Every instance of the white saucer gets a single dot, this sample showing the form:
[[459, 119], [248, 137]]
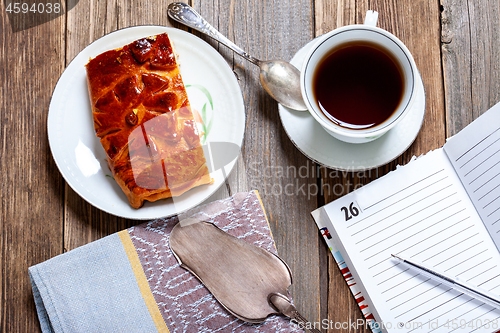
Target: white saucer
[[314, 142]]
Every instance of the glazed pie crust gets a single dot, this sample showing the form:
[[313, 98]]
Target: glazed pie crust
[[144, 121]]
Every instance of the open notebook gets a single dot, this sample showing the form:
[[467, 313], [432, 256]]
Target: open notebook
[[442, 210]]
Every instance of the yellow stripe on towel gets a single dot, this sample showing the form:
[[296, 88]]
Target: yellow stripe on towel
[[142, 282]]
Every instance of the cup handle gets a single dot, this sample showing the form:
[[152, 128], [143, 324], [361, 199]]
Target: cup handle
[[371, 18]]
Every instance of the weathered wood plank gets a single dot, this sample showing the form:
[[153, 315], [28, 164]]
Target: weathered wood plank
[[329, 15], [87, 21], [417, 25], [456, 49], [485, 53], [471, 60], [31, 220], [267, 31]]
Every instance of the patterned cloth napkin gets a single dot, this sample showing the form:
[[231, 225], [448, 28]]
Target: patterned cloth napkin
[[131, 282]]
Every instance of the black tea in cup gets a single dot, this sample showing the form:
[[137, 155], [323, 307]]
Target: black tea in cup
[[358, 85]]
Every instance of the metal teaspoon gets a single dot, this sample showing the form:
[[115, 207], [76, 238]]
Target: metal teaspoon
[[279, 78]]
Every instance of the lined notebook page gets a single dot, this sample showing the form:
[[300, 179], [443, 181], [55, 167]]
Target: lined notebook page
[[420, 212], [475, 155]]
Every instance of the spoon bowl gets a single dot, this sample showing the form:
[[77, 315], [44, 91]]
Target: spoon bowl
[[279, 78]]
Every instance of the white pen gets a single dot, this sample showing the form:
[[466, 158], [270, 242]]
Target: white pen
[[461, 286]]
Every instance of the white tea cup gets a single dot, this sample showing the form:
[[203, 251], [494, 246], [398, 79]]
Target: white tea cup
[[332, 41]]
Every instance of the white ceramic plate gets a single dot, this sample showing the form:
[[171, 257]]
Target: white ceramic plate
[[78, 152], [314, 142]]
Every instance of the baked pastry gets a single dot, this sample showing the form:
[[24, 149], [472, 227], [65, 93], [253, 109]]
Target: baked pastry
[[144, 121]]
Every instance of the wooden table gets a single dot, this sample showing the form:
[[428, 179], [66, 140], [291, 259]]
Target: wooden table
[[456, 45]]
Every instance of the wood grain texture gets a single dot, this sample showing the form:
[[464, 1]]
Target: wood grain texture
[[31, 219], [485, 54], [471, 60], [417, 25], [268, 31], [456, 47]]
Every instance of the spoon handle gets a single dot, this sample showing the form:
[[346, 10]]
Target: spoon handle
[[284, 306], [185, 14]]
